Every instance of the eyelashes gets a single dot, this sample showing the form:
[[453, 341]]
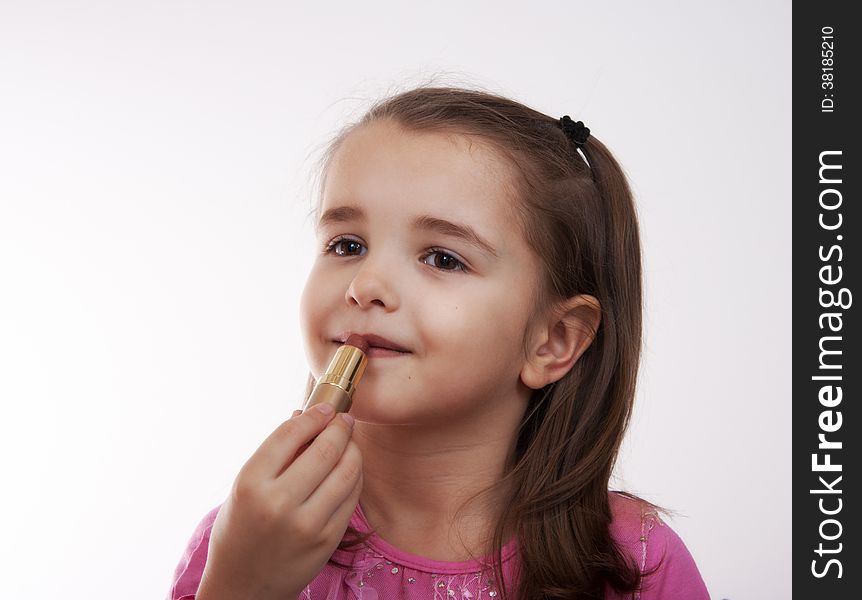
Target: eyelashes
[[330, 248]]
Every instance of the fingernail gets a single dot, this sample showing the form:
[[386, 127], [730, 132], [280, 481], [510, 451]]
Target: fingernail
[[348, 419], [296, 413], [324, 408]]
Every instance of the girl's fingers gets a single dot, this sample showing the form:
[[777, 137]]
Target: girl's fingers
[[339, 518], [278, 450], [341, 486], [317, 462]]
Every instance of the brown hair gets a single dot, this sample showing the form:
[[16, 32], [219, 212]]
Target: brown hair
[[579, 217]]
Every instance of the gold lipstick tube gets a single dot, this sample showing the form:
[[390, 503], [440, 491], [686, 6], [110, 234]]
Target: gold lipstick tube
[[337, 384]]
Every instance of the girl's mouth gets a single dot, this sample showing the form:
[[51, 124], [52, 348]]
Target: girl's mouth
[[375, 352], [378, 346], [378, 352]]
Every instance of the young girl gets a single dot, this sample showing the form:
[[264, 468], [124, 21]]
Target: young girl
[[491, 255]]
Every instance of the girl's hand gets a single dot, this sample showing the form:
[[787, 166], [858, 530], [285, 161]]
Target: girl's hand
[[287, 511]]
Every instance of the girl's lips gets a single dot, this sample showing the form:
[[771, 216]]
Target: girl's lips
[[377, 352], [373, 340], [374, 352]]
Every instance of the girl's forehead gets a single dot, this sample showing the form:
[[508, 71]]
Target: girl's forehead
[[383, 165]]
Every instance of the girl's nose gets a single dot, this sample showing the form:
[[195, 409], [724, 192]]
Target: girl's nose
[[372, 284]]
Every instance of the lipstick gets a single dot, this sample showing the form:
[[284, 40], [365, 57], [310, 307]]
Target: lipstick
[[337, 384]]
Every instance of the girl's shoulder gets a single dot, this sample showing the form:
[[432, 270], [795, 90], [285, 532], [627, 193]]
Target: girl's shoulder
[[653, 544], [188, 572]]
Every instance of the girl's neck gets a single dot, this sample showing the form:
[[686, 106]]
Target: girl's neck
[[414, 482]]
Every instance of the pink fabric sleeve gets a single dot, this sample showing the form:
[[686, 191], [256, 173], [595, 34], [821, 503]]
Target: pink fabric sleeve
[[678, 578], [187, 575]]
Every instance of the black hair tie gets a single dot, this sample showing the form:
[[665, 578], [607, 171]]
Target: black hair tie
[[574, 130]]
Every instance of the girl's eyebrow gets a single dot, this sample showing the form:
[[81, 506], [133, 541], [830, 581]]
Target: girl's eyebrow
[[344, 214]]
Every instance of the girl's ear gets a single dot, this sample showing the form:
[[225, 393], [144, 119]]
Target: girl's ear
[[558, 340]]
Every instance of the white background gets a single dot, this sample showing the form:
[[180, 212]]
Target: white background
[[156, 161]]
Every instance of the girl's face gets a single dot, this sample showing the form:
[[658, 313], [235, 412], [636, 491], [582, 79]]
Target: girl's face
[[417, 244]]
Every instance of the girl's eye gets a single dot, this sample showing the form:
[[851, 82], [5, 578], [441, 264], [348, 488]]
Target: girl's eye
[[331, 247], [446, 259]]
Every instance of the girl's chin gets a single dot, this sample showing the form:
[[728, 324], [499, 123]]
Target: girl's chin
[[389, 410], [372, 407]]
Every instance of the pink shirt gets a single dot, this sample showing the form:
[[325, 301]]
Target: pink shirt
[[382, 572]]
